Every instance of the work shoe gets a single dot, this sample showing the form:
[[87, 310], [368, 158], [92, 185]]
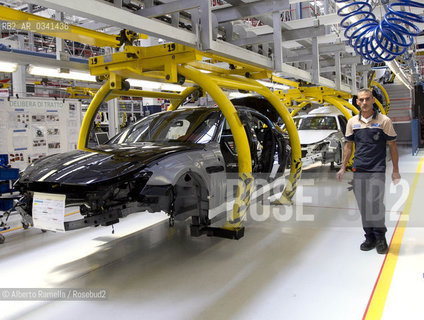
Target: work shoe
[[367, 245], [381, 246]]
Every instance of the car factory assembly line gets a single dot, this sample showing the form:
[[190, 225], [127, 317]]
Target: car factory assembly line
[[206, 73], [193, 159], [172, 63]]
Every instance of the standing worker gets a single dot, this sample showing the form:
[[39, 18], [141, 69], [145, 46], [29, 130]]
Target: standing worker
[[370, 130]]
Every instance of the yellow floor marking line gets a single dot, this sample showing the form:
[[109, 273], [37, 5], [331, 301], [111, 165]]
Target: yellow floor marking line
[[375, 307], [12, 229]]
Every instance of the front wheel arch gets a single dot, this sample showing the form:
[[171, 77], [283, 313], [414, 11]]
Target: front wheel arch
[[190, 197]]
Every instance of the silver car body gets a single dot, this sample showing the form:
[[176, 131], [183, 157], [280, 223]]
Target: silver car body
[[321, 135]]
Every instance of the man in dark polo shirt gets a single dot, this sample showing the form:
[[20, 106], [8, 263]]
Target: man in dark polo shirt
[[370, 131]]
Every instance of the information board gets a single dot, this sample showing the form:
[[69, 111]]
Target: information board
[[34, 128]]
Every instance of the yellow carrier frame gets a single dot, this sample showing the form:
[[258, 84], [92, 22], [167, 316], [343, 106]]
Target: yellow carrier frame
[[176, 63]]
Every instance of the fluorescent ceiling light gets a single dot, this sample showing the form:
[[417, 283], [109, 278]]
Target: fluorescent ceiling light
[[8, 66], [172, 87], [144, 84], [275, 86], [53, 72], [83, 76], [153, 85], [235, 94]]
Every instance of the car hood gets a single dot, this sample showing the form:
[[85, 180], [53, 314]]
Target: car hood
[[103, 163], [314, 136]]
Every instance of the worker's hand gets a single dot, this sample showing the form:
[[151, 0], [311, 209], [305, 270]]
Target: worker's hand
[[340, 174], [396, 177]]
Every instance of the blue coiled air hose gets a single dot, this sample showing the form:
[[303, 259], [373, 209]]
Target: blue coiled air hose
[[384, 40]]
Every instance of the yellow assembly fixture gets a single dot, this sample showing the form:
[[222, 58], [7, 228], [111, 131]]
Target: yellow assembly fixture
[[175, 63], [307, 95]]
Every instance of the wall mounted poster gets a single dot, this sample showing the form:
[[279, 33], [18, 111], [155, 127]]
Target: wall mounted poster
[[34, 128]]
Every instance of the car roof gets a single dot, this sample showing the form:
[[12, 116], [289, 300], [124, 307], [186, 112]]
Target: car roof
[[322, 111], [214, 108], [252, 103]]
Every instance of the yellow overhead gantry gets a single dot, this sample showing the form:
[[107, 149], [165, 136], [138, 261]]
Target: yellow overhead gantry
[[306, 95], [299, 106], [176, 63]]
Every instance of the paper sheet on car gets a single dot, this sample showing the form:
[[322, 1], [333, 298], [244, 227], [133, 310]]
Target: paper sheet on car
[[48, 211]]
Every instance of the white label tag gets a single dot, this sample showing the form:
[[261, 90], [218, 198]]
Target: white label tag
[[48, 211]]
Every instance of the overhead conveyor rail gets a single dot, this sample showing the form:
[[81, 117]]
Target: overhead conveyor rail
[[200, 25], [307, 95]]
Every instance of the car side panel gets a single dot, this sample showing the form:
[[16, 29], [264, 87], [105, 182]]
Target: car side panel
[[168, 171]]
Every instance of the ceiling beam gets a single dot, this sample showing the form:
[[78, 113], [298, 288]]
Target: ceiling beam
[[247, 10], [108, 14], [25, 59], [323, 49], [288, 35], [168, 8], [105, 13]]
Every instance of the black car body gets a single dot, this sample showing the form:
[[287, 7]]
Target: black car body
[[174, 161]]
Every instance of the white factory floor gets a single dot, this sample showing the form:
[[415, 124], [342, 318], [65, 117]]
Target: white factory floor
[[303, 264]]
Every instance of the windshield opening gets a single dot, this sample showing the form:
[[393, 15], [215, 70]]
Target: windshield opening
[[191, 126], [317, 123]]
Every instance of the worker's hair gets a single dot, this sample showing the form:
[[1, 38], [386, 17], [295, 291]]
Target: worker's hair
[[365, 90], [362, 90]]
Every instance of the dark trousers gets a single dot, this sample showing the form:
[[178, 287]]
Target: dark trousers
[[368, 188]]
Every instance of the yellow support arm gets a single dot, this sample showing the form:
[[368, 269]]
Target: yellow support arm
[[230, 114], [245, 184], [380, 106], [346, 104], [299, 107], [177, 101], [386, 97], [33, 23], [339, 105], [285, 81], [100, 96], [296, 153]]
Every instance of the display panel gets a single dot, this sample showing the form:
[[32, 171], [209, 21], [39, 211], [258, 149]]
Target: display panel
[[34, 128]]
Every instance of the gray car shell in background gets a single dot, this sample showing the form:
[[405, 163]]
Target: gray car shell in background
[[321, 135]]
